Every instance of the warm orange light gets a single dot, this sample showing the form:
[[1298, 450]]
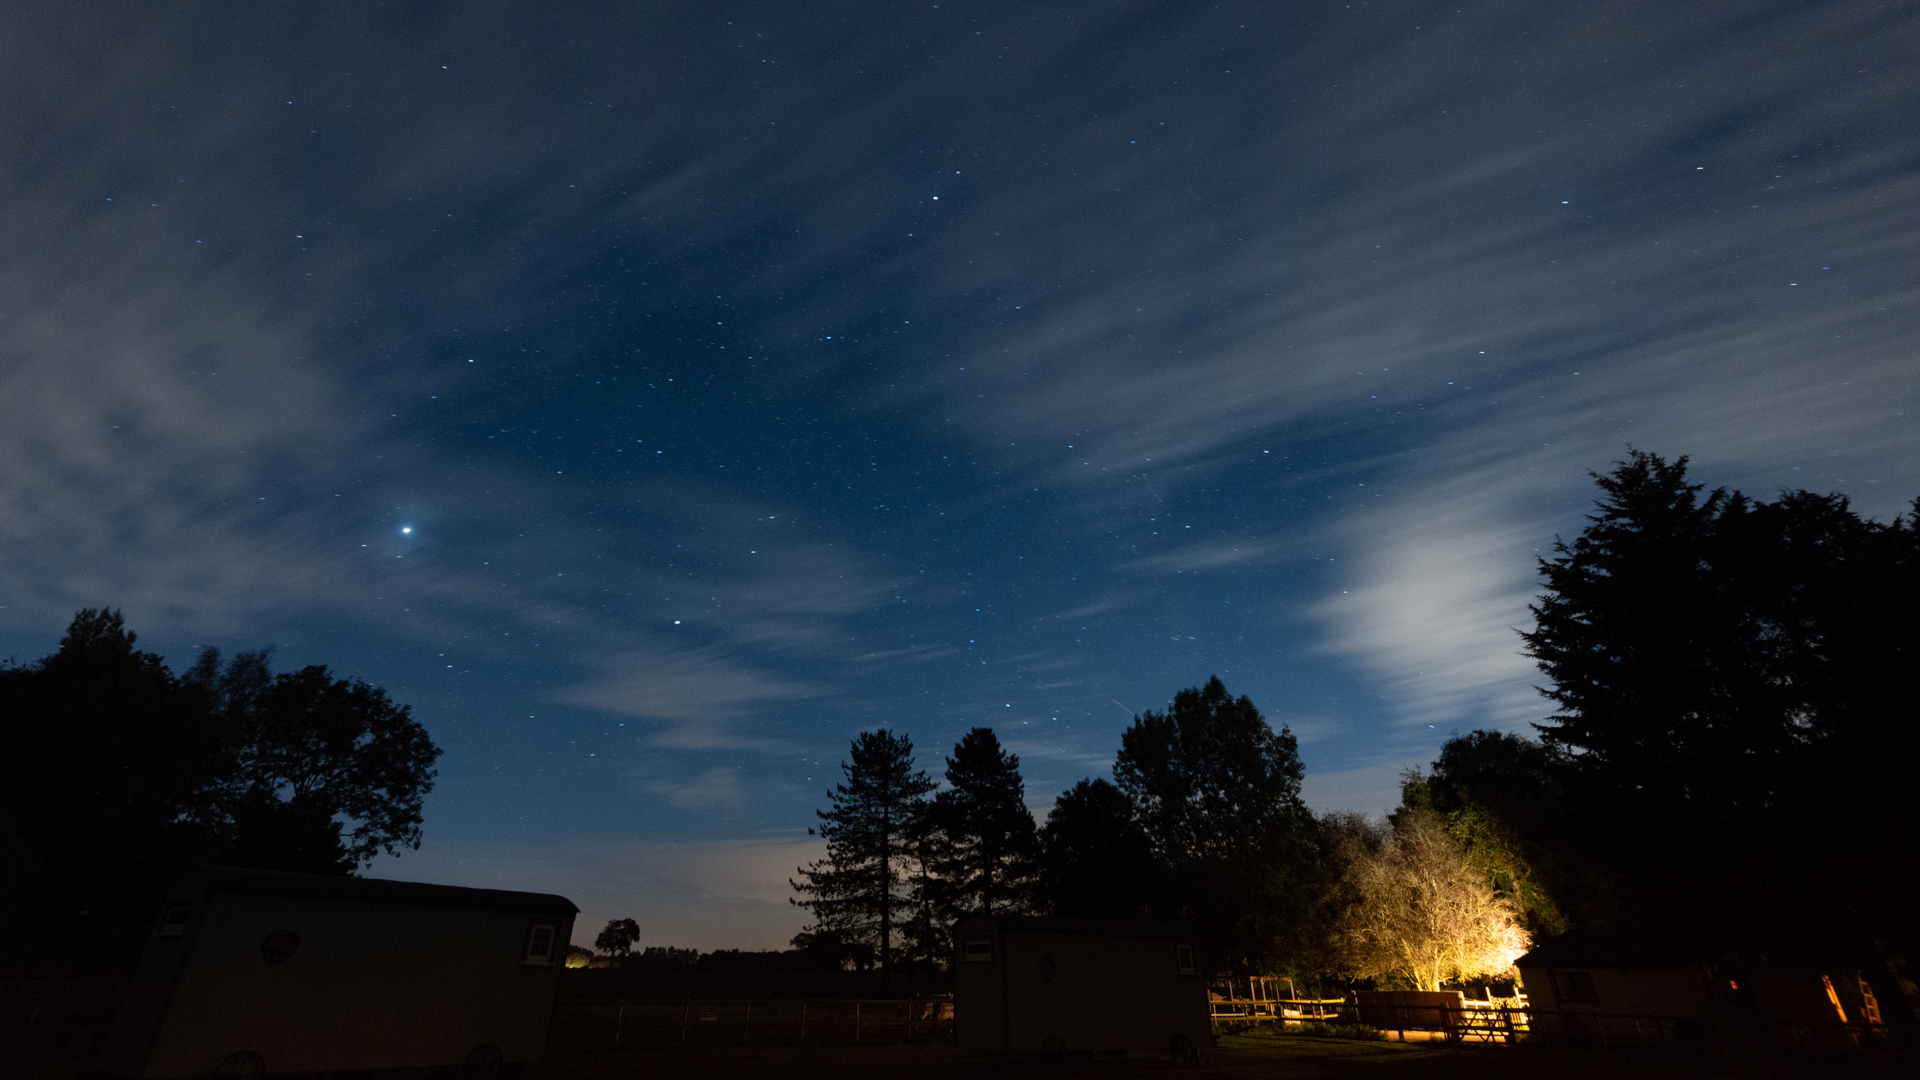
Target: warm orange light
[[1835, 998]]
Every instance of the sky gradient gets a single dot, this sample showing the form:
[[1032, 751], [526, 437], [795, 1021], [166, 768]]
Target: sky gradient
[[655, 399]]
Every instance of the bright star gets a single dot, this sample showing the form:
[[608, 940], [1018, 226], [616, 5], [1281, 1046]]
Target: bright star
[[406, 528]]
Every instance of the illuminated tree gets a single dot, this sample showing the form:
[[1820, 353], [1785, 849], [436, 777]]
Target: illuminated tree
[[1410, 904], [1492, 842]]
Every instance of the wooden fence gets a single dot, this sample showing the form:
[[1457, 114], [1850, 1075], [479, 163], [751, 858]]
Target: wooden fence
[[1472, 1022]]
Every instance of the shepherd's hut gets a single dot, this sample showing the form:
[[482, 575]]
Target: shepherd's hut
[[250, 972], [1062, 986]]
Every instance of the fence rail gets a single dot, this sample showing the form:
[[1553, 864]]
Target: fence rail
[[1475, 1022], [615, 1023], [1816, 1046], [1261, 1010]]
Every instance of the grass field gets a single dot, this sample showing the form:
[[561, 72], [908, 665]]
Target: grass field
[[735, 1038], [1239, 1056]]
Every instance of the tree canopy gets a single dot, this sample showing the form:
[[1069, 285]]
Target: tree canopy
[[1728, 674], [1098, 862], [115, 773], [619, 937], [1217, 793]]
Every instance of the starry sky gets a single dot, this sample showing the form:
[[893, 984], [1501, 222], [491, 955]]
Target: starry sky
[[653, 396]]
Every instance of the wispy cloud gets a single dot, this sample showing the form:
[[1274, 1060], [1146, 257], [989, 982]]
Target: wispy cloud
[[1192, 558], [702, 698], [717, 788], [1429, 612]]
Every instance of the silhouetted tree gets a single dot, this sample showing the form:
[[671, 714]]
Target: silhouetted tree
[[114, 774], [855, 891], [1728, 675], [110, 769], [930, 903], [829, 950], [1096, 861], [988, 854], [619, 938], [332, 774], [1217, 792]]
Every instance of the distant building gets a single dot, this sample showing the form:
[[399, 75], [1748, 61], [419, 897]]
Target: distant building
[[252, 971], [1621, 986], [1072, 985]]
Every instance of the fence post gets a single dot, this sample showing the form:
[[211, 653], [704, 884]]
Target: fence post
[[745, 1023], [803, 1021], [618, 1020], [856, 1021], [685, 1015]]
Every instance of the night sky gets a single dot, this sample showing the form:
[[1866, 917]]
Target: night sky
[[654, 396]]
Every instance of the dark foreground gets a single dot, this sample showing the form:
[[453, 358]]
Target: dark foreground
[[1237, 1056]]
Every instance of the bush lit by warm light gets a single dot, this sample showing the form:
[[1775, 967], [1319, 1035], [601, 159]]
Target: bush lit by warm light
[[1416, 908]]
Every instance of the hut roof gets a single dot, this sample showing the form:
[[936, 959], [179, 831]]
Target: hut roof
[[1594, 948], [233, 879]]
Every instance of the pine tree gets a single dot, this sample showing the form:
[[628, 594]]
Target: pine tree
[[856, 890], [990, 847]]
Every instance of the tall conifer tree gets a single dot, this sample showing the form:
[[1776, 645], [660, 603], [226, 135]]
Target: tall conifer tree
[[990, 846], [855, 890]]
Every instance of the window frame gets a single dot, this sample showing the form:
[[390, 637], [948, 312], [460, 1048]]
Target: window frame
[[528, 958], [166, 927], [1578, 989], [970, 955]]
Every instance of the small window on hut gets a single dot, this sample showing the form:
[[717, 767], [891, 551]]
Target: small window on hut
[[1183, 955], [173, 921], [540, 944], [977, 948], [1574, 986]]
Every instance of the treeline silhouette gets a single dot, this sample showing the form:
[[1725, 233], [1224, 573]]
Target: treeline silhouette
[[1734, 742], [115, 773], [1203, 823], [1728, 765]]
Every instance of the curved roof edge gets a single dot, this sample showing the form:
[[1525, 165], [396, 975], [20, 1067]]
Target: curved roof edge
[[234, 879]]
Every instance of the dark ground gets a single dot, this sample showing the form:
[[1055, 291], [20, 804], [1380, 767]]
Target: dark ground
[[719, 1043], [1236, 1056]]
